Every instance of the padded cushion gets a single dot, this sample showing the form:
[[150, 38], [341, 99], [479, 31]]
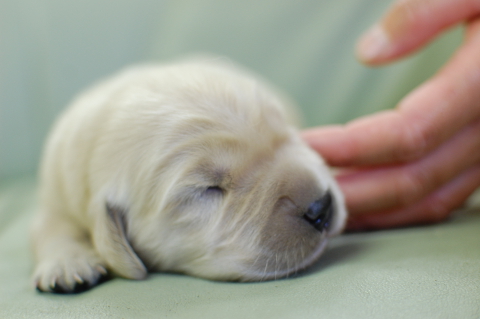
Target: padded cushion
[[422, 272]]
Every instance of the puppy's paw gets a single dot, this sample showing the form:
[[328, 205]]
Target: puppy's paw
[[69, 274]]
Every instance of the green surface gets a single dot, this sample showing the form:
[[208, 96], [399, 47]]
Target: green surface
[[424, 272]]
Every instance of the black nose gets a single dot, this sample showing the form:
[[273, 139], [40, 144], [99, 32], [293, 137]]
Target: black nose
[[320, 212]]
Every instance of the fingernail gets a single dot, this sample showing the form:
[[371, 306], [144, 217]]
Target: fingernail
[[372, 44]]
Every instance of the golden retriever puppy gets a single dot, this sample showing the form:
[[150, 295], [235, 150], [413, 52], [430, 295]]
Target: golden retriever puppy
[[190, 167]]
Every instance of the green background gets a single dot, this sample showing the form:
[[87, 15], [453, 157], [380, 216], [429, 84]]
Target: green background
[[51, 50]]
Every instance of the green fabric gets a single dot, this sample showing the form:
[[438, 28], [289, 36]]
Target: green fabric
[[423, 272], [52, 49]]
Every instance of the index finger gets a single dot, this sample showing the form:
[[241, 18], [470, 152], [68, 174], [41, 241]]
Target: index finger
[[423, 120]]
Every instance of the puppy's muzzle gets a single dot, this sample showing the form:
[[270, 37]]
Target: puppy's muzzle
[[320, 212]]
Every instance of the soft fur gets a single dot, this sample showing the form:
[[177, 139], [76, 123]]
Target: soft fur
[[190, 167]]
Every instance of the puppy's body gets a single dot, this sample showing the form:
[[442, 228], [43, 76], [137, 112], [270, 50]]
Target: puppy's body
[[190, 167]]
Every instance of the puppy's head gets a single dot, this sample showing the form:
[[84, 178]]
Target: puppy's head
[[216, 182]]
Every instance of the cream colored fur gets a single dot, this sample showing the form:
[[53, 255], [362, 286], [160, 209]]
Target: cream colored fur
[[190, 167]]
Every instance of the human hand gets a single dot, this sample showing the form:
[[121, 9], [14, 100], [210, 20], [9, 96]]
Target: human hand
[[418, 162]]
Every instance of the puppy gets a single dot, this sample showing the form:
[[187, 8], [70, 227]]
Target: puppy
[[191, 167]]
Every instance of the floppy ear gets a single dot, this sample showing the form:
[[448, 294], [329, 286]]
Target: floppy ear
[[112, 243]]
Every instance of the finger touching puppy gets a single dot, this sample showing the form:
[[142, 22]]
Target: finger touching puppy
[[190, 167]]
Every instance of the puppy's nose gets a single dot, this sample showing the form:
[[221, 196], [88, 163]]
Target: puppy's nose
[[320, 212]]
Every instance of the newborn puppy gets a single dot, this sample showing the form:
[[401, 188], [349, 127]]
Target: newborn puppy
[[190, 167]]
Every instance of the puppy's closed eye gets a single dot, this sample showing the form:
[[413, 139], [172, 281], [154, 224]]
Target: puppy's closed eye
[[214, 190]]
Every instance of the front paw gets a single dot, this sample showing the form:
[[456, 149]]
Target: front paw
[[69, 275]]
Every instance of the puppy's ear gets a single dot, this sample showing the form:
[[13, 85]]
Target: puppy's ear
[[112, 243]]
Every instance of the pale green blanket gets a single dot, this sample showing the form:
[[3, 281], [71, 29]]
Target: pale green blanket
[[423, 272]]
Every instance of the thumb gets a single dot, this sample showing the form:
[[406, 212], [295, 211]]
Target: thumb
[[409, 24]]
